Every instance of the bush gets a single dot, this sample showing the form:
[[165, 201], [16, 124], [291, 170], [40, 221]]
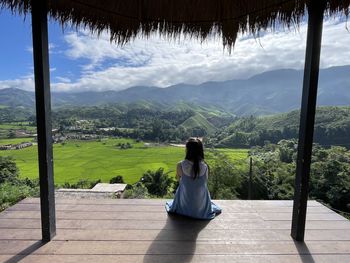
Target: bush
[[123, 146], [117, 180], [136, 192], [81, 184], [157, 182], [223, 180], [12, 189], [11, 193], [128, 187], [8, 170]]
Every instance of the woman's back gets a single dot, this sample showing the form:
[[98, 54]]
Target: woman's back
[[192, 196], [186, 167]]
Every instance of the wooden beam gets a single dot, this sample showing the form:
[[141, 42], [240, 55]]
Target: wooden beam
[[250, 178], [316, 9], [43, 118]]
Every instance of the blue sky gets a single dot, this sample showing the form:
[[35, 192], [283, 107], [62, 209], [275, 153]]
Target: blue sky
[[16, 59], [13, 42], [80, 61]]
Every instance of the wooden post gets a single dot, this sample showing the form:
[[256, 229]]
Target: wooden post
[[250, 178], [307, 116], [43, 118]]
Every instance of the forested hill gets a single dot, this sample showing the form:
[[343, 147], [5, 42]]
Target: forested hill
[[267, 93], [144, 120], [332, 127]]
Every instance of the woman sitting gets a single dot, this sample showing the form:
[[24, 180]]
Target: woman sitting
[[192, 197]]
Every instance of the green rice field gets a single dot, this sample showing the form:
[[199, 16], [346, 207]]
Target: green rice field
[[103, 160], [17, 125]]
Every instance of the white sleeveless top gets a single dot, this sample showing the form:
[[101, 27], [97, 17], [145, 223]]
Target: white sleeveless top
[[187, 168]]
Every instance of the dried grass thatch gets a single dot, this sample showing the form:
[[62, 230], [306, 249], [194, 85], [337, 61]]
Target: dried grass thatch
[[125, 19]]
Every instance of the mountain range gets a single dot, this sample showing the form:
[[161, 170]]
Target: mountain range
[[266, 93]]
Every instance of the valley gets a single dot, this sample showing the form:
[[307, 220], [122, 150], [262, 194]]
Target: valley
[[104, 159]]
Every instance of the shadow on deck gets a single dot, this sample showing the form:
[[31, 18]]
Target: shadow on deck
[[107, 230]]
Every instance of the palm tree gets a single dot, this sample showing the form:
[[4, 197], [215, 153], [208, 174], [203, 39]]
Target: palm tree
[[157, 182]]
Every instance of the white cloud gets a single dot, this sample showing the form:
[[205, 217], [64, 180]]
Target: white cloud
[[52, 48], [25, 83], [162, 63], [159, 62], [63, 79]]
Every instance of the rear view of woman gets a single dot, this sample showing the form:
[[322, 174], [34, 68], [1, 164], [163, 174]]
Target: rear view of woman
[[192, 197]]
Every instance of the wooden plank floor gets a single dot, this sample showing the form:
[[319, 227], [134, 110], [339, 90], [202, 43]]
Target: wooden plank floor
[[107, 230]]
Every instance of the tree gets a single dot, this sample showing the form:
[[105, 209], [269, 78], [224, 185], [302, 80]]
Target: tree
[[157, 182], [330, 176], [11, 134], [287, 150], [223, 179], [273, 171], [8, 170]]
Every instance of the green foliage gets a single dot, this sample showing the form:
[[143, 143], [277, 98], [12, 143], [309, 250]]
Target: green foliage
[[137, 121], [11, 193], [117, 180], [157, 182], [332, 127], [144, 121], [137, 191], [237, 139], [8, 170], [223, 180], [287, 150], [198, 125], [227, 168], [274, 173], [11, 134], [12, 189], [82, 184], [14, 114], [330, 177]]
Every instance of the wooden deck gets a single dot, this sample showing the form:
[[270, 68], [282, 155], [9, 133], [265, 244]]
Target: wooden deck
[[108, 230]]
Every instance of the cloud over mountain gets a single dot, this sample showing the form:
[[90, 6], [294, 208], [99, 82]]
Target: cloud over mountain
[[101, 65], [266, 93]]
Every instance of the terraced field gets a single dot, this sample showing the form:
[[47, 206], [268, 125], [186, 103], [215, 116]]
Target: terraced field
[[5, 128]]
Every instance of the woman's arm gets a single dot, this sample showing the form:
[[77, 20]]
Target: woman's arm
[[207, 171], [178, 171]]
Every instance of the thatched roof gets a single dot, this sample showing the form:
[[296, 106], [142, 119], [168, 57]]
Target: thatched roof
[[126, 19]]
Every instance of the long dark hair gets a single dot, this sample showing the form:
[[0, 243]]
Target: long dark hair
[[194, 153]]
